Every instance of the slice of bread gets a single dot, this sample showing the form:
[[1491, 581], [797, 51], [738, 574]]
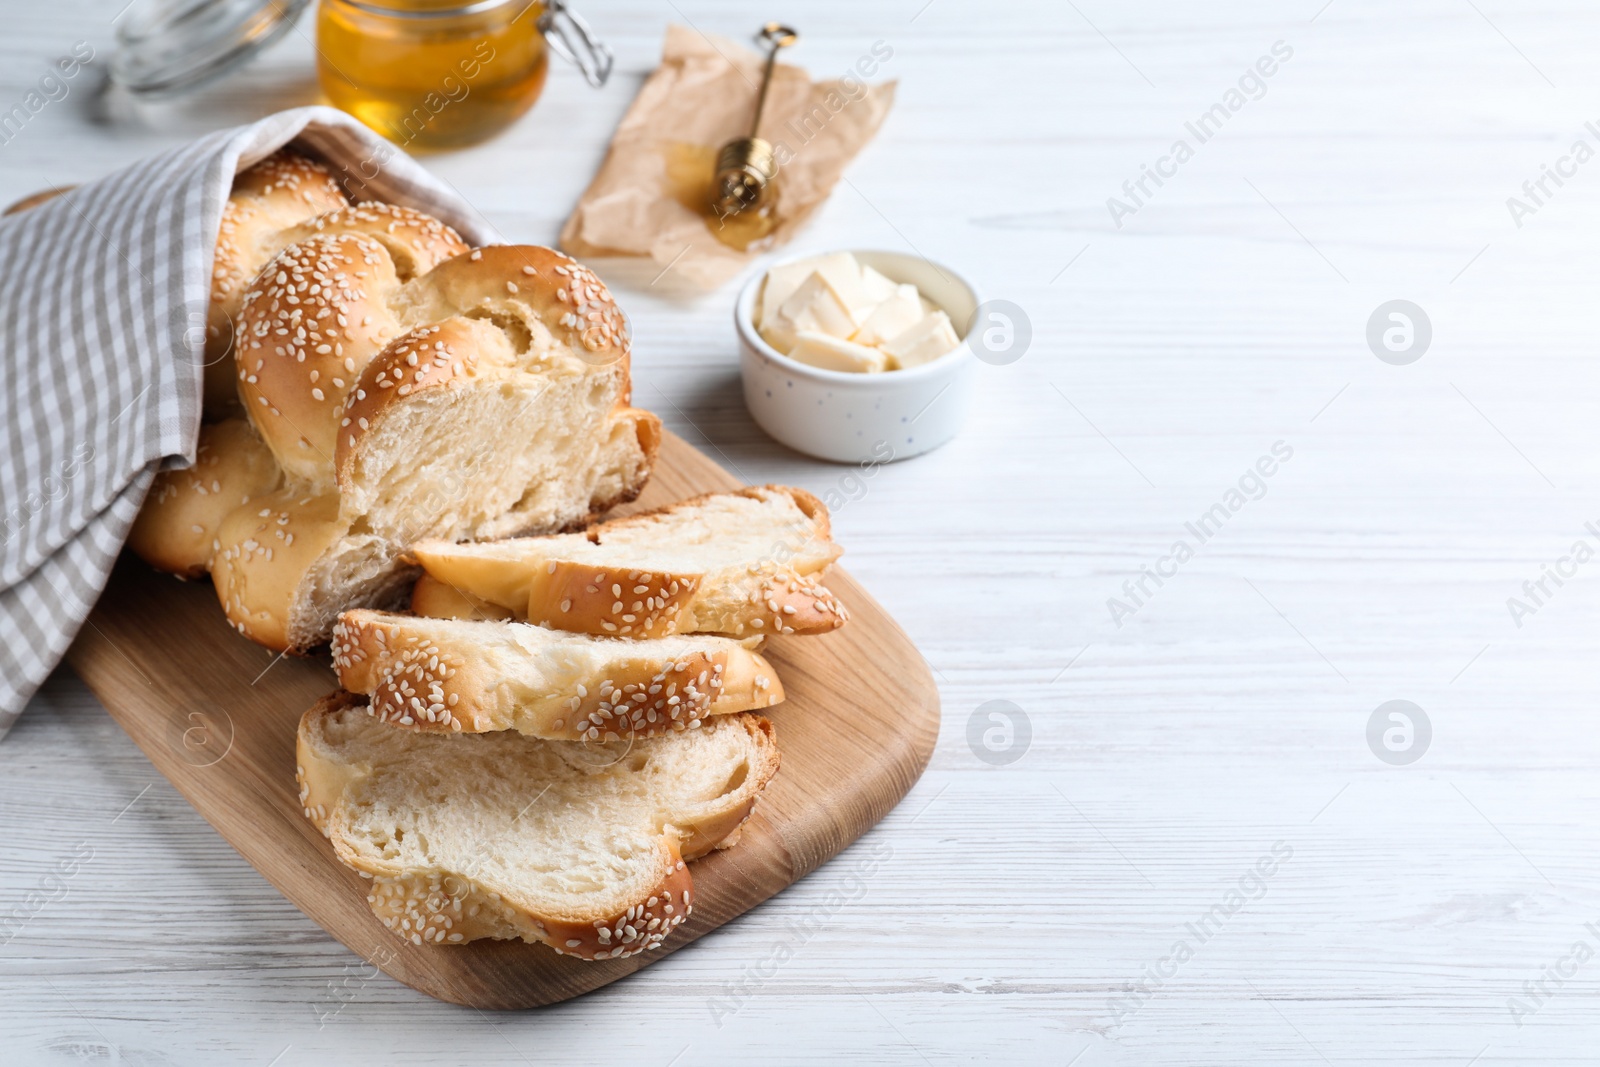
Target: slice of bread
[[459, 676], [729, 563], [582, 847]]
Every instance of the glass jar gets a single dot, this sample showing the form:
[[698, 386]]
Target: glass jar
[[439, 74], [425, 73], [167, 48]]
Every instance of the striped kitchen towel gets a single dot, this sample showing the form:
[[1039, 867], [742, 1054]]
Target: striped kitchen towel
[[103, 296]]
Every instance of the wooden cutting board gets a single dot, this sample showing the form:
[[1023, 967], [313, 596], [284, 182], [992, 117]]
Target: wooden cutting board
[[217, 716]]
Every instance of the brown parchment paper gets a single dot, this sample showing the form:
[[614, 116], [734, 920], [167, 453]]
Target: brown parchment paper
[[662, 154]]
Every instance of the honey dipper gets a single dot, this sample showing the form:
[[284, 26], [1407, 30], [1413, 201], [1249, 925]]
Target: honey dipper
[[746, 166]]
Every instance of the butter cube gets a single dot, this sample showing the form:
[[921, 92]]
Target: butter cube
[[851, 290], [830, 353], [816, 307], [929, 339], [839, 268], [877, 287], [900, 311]]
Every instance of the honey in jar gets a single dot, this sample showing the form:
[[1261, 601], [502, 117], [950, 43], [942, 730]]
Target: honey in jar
[[432, 74]]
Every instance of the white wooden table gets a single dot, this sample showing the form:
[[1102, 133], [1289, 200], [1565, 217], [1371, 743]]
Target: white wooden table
[[1031, 912]]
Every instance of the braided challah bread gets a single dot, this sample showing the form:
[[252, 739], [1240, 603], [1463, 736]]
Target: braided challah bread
[[395, 385]]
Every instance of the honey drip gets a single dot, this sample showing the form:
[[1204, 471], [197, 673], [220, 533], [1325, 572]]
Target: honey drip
[[690, 169]]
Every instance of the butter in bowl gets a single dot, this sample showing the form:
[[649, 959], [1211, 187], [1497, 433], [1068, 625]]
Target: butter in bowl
[[857, 356], [833, 312]]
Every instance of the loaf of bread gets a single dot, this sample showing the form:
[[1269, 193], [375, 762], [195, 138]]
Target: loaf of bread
[[454, 676], [581, 847], [402, 386], [743, 562]]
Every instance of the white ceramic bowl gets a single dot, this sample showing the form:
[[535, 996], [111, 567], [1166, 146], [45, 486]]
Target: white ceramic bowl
[[862, 418]]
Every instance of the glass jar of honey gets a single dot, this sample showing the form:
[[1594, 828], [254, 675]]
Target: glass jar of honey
[[432, 74], [424, 73]]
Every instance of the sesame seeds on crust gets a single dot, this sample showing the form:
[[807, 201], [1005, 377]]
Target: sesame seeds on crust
[[409, 687], [767, 599], [289, 172], [641, 928], [177, 526], [569, 298], [283, 189], [261, 553], [426, 240], [611, 602], [594, 317], [314, 318], [436, 908], [783, 602]]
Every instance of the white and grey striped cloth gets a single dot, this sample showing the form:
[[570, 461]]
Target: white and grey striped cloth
[[103, 295]]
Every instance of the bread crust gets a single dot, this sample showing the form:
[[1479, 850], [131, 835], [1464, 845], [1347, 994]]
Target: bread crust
[[530, 283], [267, 200], [450, 907], [177, 528], [435, 908], [264, 550], [591, 600], [315, 318], [416, 242], [420, 681]]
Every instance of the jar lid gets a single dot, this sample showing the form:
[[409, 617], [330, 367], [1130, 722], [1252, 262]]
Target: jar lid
[[167, 47]]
